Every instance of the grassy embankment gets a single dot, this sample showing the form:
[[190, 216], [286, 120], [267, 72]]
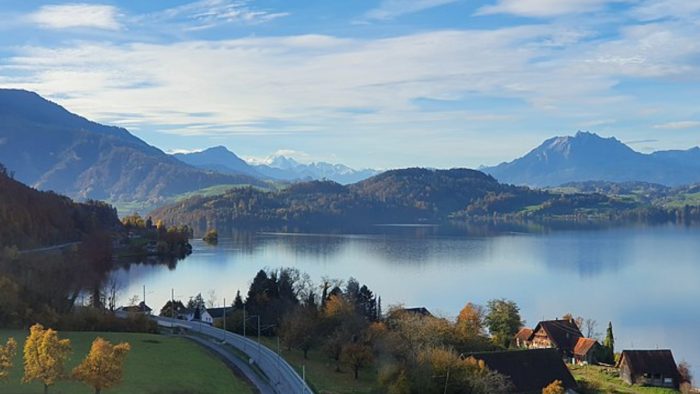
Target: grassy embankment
[[596, 379], [321, 374], [156, 365]]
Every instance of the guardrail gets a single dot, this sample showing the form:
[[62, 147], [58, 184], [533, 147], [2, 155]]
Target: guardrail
[[282, 377]]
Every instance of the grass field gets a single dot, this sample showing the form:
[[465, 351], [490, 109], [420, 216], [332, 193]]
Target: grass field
[[156, 365], [321, 375], [595, 379]]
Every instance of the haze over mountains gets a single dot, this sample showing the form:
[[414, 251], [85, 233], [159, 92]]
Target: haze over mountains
[[277, 167], [589, 157]]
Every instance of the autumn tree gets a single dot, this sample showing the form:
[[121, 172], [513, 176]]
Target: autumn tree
[[44, 356], [503, 320], [103, 367], [470, 321], [556, 387], [7, 354], [356, 355], [299, 329]]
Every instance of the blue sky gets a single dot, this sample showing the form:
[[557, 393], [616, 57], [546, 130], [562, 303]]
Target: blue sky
[[382, 83]]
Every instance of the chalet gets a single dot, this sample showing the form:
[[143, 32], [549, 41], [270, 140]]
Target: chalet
[[586, 351], [530, 370], [140, 308], [522, 338], [649, 368], [562, 335]]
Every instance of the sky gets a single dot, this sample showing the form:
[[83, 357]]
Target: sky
[[368, 83]]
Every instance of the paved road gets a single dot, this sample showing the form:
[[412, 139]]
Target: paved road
[[282, 377], [236, 363], [50, 248]]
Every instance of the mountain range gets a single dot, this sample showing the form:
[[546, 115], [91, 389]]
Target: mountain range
[[279, 167], [49, 148], [589, 157]]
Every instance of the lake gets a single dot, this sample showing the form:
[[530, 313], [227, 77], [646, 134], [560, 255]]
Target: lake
[[646, 280]]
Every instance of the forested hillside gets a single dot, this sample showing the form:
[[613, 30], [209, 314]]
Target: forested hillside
[[31, 218], [407, 196]]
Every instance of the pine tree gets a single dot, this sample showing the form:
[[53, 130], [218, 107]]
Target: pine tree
[[238, 301], [609, 345], [103, 367], [44, 356]]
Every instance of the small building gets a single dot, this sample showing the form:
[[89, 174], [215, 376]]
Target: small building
[[649, 368], [586, 351], [530, 370], [421, 311], [522, 338], [140, 308], [196, 314], [217, 314], [562, 335]]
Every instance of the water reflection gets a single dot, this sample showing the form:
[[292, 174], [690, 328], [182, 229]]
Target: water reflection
[[643, 279]]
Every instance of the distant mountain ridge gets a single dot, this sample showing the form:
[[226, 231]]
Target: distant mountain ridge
[[50, 148], [588, 157], [280, 168]]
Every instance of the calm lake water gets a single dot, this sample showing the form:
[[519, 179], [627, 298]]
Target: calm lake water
[[646, 280]]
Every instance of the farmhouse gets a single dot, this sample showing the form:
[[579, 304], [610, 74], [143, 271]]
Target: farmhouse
[[196, 314], [586, 351], [522, 338], [140, 308], [562, 335], [649, 367], [530, 370]]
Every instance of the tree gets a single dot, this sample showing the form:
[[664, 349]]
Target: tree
[[7, 354], [684, 372], [555, 387], [103, 367], [299, 329], [470, 321], [356, 355], [591, 327], [44, 356], [503, 320], [609, 345], [238, 301]]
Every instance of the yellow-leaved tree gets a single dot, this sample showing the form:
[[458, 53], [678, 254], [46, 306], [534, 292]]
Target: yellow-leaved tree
[[44, 356], [102, 367], [556, 387], [7, 354]]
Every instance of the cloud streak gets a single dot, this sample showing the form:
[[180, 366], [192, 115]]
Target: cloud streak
[[679, 125], [77, 15], [390, 9]]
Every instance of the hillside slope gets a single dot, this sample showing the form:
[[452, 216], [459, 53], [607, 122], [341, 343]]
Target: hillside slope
[[31, 218], [50, 148]]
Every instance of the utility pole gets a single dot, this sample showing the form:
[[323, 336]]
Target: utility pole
[[224, 319], [144, 296]]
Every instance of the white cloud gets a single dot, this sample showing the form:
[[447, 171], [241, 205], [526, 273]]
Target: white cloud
[[390, 9], [659, 9], [679, 125], [542, 8], [77, 15]]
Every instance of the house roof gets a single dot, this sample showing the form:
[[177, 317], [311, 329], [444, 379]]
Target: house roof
[[419, 311], [564, 334], [217, 313], [584, 345], [524, 334], [529, 370], [650, 361]]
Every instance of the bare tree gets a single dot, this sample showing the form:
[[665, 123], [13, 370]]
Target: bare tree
[[111, 291], [134, 300], [591, 327], [211, 298]]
